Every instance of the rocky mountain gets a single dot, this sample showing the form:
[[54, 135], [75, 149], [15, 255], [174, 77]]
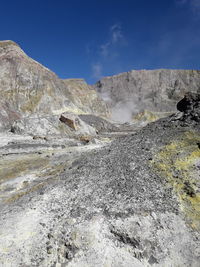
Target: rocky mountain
[[28, 89], [77, 189], [154, 91]]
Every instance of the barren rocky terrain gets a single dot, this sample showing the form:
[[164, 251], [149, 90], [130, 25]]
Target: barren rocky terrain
[[79, 190], [154, 91]]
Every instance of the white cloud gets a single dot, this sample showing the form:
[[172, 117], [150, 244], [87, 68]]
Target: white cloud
[[108, 52], [116, 33], [115, 40], [181, 2], [97, 71], [88, 49], [194, 6], [105, 49]]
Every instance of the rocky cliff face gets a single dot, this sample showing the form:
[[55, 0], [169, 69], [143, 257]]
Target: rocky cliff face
[[27, 87], [151, 90], [86, 98]]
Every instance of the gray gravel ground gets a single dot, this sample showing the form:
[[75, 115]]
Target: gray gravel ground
[[106, 206]]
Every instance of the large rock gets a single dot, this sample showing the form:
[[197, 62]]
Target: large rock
[[67, 124], [152, 90], [38, 125], [190, 106], [75, 123]]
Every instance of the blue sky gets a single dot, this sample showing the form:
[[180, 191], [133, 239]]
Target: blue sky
[[94, 38]]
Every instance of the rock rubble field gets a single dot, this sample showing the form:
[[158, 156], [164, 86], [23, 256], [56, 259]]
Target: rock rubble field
[[81, 188]]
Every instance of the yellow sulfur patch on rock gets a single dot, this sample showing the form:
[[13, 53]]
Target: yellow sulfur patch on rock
[[177, 163], [10, 168], [146, 115], [73, 110], [32, 103]]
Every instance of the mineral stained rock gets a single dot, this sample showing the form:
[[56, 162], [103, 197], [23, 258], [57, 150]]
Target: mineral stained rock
[[86, 98], [77, 190], [133, 202], [28, 88], [151, 90], [78, 125]]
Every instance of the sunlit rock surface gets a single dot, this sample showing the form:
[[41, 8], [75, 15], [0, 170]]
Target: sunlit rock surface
[[27, 87], [77, 190], [86, 98], [130, 202], [133, 92]]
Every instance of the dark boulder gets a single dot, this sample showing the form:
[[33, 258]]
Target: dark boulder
[[190, 106]]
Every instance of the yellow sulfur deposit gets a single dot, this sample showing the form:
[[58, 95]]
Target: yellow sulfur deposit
[[177, 163]]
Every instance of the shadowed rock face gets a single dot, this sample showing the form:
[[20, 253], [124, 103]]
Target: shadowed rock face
[[27, 87], [151, 90], [190, 106]]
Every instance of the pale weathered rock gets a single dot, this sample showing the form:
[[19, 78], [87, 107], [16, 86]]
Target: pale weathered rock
[[134, 202], [102, 125], [75, 123], [86, 98], [85, 138], [105, 201], [152, 90], [36, 125], [70, 120], [27, 87]]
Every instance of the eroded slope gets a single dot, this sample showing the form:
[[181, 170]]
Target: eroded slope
[[134, 202]]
